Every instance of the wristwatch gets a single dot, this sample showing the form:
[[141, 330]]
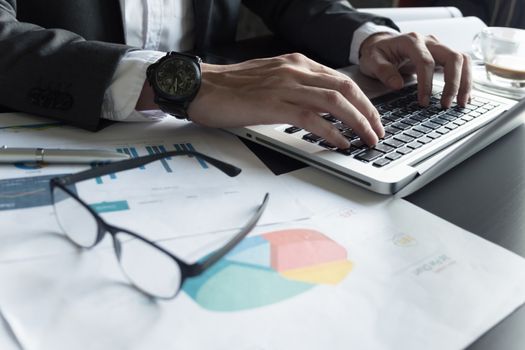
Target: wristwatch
[[175, 79]]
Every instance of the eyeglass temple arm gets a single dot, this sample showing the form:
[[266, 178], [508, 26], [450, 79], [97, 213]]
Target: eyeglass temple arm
[[110, 168], [198, 268]]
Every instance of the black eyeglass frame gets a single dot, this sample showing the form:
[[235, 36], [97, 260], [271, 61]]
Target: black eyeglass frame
[[187, 270]]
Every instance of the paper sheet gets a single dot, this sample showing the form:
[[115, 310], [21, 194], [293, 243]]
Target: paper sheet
[[176, 197], [442, 22], [8, 341], [391, 271], [350, 278], [364, 271], [415, 13], [447, 29]]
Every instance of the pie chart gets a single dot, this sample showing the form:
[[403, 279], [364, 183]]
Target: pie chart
[[270, 268]]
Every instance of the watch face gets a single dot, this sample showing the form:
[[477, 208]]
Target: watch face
[[177, 78]]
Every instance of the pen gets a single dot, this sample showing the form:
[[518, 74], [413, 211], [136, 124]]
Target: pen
[[59, 155]]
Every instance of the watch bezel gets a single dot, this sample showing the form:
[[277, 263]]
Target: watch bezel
[[186, 98]]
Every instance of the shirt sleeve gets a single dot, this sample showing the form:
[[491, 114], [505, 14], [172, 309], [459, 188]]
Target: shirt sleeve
[[362, 33], [126, 85]]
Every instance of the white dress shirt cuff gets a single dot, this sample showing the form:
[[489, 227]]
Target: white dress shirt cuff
[[362, 33], [126, 85]]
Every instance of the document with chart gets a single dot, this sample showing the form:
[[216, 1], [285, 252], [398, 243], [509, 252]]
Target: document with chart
[[175, 196], [362, 273]]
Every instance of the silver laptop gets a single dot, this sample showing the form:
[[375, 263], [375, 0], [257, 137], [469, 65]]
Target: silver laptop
[[420, 143]]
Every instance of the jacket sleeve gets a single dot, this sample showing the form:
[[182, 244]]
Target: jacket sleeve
[[53, 72], [324, 27]]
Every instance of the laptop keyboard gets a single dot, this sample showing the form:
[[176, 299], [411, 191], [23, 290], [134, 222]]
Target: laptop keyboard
[[408, 126]]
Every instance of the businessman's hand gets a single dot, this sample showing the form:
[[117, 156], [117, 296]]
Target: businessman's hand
[[387, 56], [290, 89]]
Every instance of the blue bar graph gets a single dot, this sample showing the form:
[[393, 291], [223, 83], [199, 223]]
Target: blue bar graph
[[201, 161], [164, 161], [135, 154], [154, 149], [189, 147], [163, 149]]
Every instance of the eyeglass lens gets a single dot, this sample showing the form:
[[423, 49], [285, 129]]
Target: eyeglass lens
[[75, 220], [147, 267]]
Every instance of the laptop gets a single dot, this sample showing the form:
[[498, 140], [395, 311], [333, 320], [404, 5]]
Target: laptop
[[419, 145]]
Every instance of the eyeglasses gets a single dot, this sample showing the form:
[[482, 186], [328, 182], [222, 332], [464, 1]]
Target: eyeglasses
[[157, 272]]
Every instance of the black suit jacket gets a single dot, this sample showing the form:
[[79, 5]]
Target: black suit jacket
[[58, 56]]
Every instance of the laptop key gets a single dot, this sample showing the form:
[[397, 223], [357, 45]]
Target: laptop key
[[413, 133], [460, 109], [381, 162], [427, 114], [423, 129], [401, 125], [419, 117], [451, 126], [454, 113], [404, 138], [399, 115], [381, 147], [393, 143], [348, 151], [404, 150], [459, 122], [431, 125], [292, 130], [424, 140], [393, 156], [358, 143], [387, 135], [448, 117], [369, 155], [312, 138], [477, 102], [434, 135], [327, 144], [439, 121], [443, 130], [386, 121], [415, 145], [479, 99], [410, 121], [434, 110], [392, 130]]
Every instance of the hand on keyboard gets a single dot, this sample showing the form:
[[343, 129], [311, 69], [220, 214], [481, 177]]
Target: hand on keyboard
[[289, 89], [386, 56], [408, 126]]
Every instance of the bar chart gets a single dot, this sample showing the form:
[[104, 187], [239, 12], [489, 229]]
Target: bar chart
[[167, 163]]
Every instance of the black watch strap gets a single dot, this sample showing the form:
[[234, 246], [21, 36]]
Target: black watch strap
[[176, 110]]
